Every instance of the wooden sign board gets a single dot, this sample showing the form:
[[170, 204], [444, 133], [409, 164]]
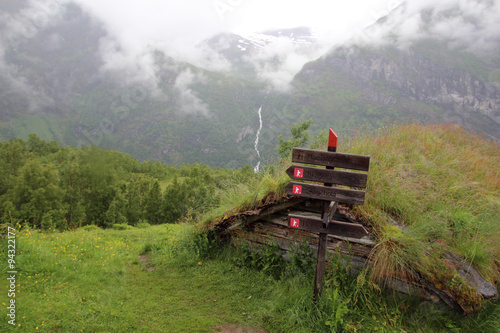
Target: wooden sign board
[[311, 224], [353, 179], [331, 159], [331, 195], [355, 197]]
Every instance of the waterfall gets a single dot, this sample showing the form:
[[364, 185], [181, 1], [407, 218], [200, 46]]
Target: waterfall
[[256, 145]]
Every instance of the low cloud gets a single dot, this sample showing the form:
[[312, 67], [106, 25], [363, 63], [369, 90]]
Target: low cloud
[[279, 61], [18, 27], [469, 23], [204, 57], [131, 68], [135, 32], [16, 88], [187, 100]]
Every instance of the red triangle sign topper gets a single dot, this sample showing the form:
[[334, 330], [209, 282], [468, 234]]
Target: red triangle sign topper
[[332, 139]]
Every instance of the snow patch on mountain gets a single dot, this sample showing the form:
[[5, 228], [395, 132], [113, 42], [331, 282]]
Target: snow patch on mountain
[[271, 56]]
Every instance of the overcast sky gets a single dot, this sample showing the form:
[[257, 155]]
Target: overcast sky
[[177, 27], [186, 22]]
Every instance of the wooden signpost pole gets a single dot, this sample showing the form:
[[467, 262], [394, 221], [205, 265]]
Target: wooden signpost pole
[[327, 212]]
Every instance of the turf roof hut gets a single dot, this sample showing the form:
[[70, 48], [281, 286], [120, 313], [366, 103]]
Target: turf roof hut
[[432, 193], [267, 224]]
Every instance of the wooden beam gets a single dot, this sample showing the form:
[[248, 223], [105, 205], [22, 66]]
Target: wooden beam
[[329, 211], [268, 233], [284, 221], [245, 218]]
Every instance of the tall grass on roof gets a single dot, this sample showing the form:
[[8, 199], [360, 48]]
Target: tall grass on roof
[[441, 185], [267, 186]]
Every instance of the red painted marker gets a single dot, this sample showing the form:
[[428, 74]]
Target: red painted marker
[[332, 140], [297, 189], [294, 223], [299, 173]]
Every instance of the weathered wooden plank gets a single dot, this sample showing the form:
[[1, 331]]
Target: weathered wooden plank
[[355, 197], [334, 227], [283, 221], [336, 177], [332, 159], [287, 239]]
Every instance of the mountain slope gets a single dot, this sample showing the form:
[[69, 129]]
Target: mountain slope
[[366, 85]]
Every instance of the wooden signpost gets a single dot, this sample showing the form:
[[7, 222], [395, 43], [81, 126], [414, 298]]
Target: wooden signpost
[[328, 193]]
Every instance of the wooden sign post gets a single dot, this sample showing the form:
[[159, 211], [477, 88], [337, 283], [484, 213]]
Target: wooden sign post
[[330, 195]]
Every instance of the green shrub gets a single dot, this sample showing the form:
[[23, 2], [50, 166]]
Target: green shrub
[[121, 226], [143, 225], [90, 227], [267, 259], [149, 248]]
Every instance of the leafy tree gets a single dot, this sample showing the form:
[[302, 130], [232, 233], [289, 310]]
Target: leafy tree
[[97, 202], [41, 147], [99, 179], [300, 136], [14, 155], [174, 202], [153, 204], [4, 178], [54, 187], [117, 208], [37, 193], [71, 181], [9, 212], [136, 190]]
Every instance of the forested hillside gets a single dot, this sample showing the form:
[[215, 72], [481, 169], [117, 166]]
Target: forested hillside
[[48, 186]]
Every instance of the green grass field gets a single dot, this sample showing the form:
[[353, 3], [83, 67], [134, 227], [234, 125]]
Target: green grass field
[[95, 281], [167, 279]]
